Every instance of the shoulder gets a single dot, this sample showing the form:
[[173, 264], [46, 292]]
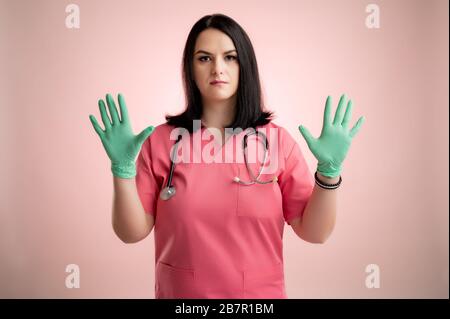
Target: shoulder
[[161, 132], [284, 137], [159, 140], [162, 129], [282, 131]]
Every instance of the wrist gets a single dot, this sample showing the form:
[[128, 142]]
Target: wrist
[[124, 169], [327, 179], [326, 182]]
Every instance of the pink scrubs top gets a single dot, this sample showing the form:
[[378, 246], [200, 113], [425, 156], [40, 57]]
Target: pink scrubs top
[[216, 238]]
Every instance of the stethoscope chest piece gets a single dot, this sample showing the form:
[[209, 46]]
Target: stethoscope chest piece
[[167, 192]]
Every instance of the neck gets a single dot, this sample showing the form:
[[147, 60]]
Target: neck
[[218, 114]]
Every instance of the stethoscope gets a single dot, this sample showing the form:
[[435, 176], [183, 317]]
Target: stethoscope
[[169, 191]]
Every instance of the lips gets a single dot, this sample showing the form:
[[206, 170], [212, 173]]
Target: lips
[[217, 81]]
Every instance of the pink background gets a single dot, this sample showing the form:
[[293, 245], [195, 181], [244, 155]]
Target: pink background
[[56, 190]]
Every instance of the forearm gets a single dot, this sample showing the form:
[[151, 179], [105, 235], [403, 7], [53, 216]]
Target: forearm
[[128, 217], [320, 213]]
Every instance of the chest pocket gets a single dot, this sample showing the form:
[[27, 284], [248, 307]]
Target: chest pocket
[[258, 200]]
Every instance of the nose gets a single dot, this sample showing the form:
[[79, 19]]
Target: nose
[[218, 66]]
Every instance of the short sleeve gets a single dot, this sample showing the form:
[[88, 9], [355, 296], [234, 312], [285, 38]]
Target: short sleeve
[[296, 183], [146, 184]]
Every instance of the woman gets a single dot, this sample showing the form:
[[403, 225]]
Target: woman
[[216, 236]]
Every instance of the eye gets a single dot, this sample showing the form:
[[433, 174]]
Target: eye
[[202, 59]]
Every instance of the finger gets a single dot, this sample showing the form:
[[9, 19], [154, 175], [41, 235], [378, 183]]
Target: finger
[[357, 126], [348, 114], [327, 112], [112, 109], [306, 134], [104, 114], [144, 134], [97, 127], [123, 109], [338, 115]]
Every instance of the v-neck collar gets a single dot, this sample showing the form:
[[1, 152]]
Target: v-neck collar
[[222, 143]]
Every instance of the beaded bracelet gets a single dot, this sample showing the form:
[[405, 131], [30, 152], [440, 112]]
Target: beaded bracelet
[[327, 186]]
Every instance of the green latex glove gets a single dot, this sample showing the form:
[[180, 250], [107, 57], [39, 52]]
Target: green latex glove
[[121, 145], [334, 142]]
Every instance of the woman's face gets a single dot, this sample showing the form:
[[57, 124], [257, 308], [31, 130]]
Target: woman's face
[[215, 58]]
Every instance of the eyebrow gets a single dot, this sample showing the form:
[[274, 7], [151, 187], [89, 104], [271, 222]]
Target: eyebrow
[[202, 51]]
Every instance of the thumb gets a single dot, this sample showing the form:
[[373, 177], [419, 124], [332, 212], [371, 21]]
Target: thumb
[[144, 134], [306, 134]]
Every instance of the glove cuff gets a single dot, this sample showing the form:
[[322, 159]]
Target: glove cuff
[[124, 169], [329, 170]]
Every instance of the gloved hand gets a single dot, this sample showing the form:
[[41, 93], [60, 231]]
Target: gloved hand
[[121, 145], [334, 142]]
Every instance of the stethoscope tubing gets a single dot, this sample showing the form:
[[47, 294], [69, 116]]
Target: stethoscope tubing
[[255, 179], [168, 191]]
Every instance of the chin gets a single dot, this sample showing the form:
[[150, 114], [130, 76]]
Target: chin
[[220, 96]]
